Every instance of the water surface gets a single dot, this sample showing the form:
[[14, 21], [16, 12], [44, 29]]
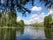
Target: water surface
[[30, 33]]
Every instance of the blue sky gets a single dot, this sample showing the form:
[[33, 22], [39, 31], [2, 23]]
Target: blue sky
[[38, 11]]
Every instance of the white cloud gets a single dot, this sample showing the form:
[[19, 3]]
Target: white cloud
[[39, 18], [18, 19], [26, 21], [35, 8], [36, 18], [50, 12]]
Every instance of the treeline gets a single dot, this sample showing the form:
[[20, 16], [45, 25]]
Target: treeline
[[9, 19], [39, 24], [36, 24], [48, 21]]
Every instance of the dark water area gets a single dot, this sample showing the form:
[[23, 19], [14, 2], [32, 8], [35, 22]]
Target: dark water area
[[31, 33]]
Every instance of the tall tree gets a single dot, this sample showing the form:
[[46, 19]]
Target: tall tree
[[47, 20], [48, 29], [21, 25], [0, 18], [11, 18]]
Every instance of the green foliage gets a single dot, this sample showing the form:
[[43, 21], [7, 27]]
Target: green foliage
[[51, 22], [12, 18], [47, 20], [36, 24], [39, 24], [7, 34], [49, 33], [8, 19], [0, 15], [21, 23]]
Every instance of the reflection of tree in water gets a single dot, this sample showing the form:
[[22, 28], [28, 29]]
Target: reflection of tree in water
[[21, 26], [48, 28], [49, 33], [7, 34], [21, 30], [10, 33]]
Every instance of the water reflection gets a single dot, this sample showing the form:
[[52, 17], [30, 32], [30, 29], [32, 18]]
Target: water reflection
[[49, 33], [38, 33], [21, 30], [31, 33], [26, 33], [7, 34]]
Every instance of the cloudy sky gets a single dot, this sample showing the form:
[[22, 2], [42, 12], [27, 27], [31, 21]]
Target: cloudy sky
[[38, 12]]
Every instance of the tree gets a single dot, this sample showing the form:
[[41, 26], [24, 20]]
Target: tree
[[51, 22], [21, 23], [0, 15], [21, 26], [0, 18], [48, 29], [12, 5], [47, 20], [9, 20], [12, 18]]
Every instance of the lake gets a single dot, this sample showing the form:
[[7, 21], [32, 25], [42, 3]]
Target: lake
[[26, 33], [30, 33]]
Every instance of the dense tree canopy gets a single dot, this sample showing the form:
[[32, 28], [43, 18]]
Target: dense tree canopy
[[8, 19], [21, 23], [47, 20]]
